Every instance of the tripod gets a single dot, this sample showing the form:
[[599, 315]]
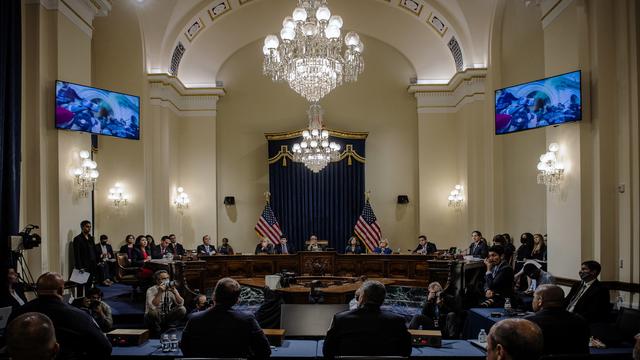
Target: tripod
[[22, 268]]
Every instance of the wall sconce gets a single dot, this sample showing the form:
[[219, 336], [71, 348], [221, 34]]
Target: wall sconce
[[86, 175], [182, 199], [117, 195], [456, 197], [551, 170]]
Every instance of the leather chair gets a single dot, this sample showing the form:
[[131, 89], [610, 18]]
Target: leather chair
[[127, 274]]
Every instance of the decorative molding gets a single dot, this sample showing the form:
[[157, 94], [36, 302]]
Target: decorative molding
[[80, 12], [463, 88], [413, 6], [168, 91], [554, 11], [218, 8]]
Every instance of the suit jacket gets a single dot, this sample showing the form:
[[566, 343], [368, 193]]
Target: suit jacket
[[124, 249], [594, 305], [156, 251], [201, 250], [267, 250], [290, 249], [500, 281], [357, 250], [84, 253], [224, 332], [563, 332], [138, 259], [99, 251], [225, 250], [431, 248], [177, 249], [481, 250], [78, 335], [385, 251], [367, 331]]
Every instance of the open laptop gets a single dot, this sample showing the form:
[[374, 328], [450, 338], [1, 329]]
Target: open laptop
[[5, 312]]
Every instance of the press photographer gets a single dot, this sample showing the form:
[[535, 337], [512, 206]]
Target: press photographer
[[98, 309], [164, 305], [438, 312]]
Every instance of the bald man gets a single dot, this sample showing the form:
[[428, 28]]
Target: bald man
[[32, 337], [564, 332], [514, 339], [78, 335]]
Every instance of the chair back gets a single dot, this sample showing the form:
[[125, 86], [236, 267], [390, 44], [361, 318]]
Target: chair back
[[628, 322], [123, 262]]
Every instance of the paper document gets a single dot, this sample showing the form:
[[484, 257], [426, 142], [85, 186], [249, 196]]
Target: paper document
[[79, 277]]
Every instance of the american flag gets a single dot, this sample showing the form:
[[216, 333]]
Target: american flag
[[367, 228], [267, 226]]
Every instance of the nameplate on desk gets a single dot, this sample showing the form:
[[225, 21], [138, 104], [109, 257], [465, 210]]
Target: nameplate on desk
[[431, 338], [128, 337], [275, 336]]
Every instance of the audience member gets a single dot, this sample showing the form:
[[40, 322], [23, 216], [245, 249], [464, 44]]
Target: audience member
[[200, 303], [498, 279], [315, 294], [563, 332], [284, 247], [535, 276], [206, 248], [264, 247], [176, 248], [588, 297], [164, 250], [225, 248], [383, 332], [313, 244], [151, 243], [438, 312], [539, 251], [525, 248], [99, 310], [128, 247], [514, 339], [164, 305], [424, 246], [508, 250], [353, 247], [104, 254], [383, 248], [79, 336], [478, 248], [222, 331], [141, 256], [32, 337], [84, 253], [15, 292]]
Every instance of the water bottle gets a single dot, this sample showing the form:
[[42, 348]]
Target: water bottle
[[164, 343], [507, 306], [174, 343], [619, 303], [482, 336]]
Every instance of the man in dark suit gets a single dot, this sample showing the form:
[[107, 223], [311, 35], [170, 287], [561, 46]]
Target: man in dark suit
[[478, 247], [589, 298], [84, 253], [32, 336], [104, 254], [176, 248], [563, 332], [206, 249], [162, 250], [222, 331], [424, 246], [498, 284], [368, 330], [514, 339], [284, 247], [79, 336]]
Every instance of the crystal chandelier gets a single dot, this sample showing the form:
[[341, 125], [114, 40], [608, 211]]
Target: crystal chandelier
[[551, 170], [456, 197], [118, 196], [86, 175], [309, 55], [315, 151]]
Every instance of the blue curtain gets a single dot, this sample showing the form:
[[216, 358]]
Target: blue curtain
[[10, 92], [326, 203]]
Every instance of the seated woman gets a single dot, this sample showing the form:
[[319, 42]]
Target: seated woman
[[225, 248], [353, 247], [141, 256], [383, 248], [438, 313], [128, 247], [313, 244], [15, 291], [539, 251], [264, 248]]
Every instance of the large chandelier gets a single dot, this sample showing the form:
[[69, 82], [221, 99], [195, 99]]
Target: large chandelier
[[309, 55], [315, 150], [86, 175], [550, 169]]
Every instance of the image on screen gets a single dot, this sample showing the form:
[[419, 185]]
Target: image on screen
[[551, 101], [97, 111]]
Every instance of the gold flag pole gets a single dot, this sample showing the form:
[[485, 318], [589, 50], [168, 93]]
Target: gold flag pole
[[267, 196], [367, 195]]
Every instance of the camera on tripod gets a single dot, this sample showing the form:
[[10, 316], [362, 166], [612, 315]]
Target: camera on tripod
[[25, 240]]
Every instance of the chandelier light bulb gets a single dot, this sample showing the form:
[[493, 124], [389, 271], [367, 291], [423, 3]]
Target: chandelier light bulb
[[458, 187], [288, 23], [309, 29], [287, 34], [332, 32], [86, 163], [351, 39], [299, 14], [554, 147], [314, 132], [305, 134], [271, 42], [359, 47], [325, 143], [84, 154], [314, 143], [77, 172], [180, 189], [303, 144], [323, 13], [94, 174], [335, 20]]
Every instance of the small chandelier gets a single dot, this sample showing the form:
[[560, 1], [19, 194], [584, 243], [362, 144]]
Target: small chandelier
[[315, 151], [86, 175], [309, 55], [456, 197], [182, 199], [117, 195], [551, 170]]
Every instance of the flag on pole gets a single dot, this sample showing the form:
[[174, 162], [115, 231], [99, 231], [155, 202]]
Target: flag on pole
[[367, 228], [267, 226]]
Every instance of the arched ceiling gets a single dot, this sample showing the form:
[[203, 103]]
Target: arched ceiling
[[210, 31]]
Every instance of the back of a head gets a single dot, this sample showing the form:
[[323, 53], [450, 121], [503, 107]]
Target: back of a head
[[226, 292], [552, 295], [519, 338], [50, 283], [373, 292], [31, 336]]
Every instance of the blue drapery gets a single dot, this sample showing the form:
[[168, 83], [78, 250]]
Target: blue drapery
[[10, 93], [327, 203]]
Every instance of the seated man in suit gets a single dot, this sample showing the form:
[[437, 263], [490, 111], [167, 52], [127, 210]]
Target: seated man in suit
[[564, 332], [164, 305], [32, 337], [353, 247], [313, 244], [424, 246], [78, 335], [498, 278], [206, 248], [588, 297], [516, 339], [264, 247], [368, 330], [284, 247], [163, 250], [176, 248], [222, 331], [104, 253], [383, 248], [478, 247]]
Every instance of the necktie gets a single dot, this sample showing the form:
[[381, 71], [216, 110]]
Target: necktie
[[575, 299], [284, 249]]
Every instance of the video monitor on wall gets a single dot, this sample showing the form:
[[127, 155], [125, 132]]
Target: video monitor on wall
[[97, 111], [550, 101]]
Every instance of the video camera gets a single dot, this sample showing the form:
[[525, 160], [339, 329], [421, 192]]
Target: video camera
[[25, 240]]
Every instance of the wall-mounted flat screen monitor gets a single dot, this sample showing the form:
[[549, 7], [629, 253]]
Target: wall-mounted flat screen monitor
[[97, 111], [551, 101], [311, 320]]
